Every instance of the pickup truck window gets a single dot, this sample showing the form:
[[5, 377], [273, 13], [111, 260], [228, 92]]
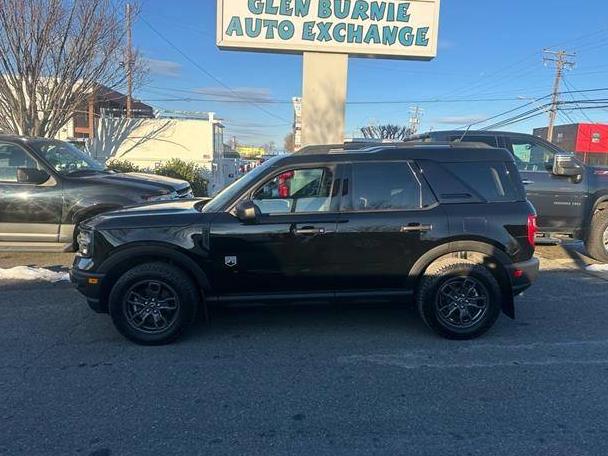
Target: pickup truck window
[[12, 158], [532, 156], [66, 158]]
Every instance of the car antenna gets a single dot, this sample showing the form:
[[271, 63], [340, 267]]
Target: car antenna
[[465, 133]]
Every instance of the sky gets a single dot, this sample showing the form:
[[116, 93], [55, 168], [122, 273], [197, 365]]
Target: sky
[[489, 61]]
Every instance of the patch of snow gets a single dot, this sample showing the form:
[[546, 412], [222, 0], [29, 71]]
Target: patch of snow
[[27, 273], [598, 268]]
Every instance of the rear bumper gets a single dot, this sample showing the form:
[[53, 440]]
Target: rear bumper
[[523, 275], [90, 286]]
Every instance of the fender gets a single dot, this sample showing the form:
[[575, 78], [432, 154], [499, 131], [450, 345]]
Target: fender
[[162, 252], [83, 209], [503, 259], [601, 201]]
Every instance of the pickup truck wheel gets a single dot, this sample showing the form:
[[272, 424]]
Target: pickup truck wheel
[[597, 239], [459, 299], [153, 304]]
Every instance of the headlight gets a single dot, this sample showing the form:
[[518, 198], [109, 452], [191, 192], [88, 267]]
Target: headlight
[[164, 197], [85, 243]]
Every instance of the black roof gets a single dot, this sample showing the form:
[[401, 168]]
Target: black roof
[[442, 152]]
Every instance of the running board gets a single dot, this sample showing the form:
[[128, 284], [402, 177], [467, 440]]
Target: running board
[[42, 247]]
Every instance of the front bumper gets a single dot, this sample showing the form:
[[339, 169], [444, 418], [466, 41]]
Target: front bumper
[[90, 285], [523, 275]]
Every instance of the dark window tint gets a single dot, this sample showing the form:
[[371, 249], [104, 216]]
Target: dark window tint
[[385, 186], [493, 181]]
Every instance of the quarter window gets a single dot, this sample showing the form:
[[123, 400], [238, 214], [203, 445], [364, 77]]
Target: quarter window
[[13, 158], [385, 186], [493, 181], [296, 191]]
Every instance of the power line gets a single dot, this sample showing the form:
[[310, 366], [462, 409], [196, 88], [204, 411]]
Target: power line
[[204, 71]]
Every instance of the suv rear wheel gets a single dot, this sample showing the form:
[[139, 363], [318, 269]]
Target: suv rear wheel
[[153, 304], [459, 299], [597, 239]]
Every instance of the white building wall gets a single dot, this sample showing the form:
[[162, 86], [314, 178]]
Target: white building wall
[[149, 142]]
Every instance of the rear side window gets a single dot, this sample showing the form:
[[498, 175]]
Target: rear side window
[[384, 186], [495, 182]]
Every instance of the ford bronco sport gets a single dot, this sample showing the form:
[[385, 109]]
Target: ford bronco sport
[[448, 226]]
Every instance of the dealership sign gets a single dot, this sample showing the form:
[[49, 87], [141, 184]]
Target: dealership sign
[[395, 29]]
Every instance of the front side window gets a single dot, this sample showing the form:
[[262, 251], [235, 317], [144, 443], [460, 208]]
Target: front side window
[[296, 191], [12, 159], [531, 155], [385, 186]]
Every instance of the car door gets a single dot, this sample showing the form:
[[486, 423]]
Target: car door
[[560, 201], [389, 218], [29, 212], [288, 250]]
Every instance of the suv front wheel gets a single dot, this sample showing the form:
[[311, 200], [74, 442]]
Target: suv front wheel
[[459, 299], [153, 303]]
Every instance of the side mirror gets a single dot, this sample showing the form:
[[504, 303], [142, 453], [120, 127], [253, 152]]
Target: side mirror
[[32, 176], [247, 212], [567, 166]]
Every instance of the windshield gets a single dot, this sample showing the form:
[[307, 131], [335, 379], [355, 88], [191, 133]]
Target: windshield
[[233, 190], [66, 158]]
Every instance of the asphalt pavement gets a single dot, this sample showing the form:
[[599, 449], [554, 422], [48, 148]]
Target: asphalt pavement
[[309, 380]]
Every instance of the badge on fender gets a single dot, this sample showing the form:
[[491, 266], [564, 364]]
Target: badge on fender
[[231, 261]]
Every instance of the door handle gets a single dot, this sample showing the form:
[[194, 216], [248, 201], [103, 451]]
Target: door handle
[[416, 228], [527, 182], [309, 230]]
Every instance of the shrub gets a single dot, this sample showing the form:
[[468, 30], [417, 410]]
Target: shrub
[[123, 166], [190, 172]]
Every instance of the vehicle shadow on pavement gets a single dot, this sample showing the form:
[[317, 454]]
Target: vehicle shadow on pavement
[[302, 319]]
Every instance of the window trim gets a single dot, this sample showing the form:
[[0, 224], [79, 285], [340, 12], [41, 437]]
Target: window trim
[[418, 177], [333, 167], [40, 165]]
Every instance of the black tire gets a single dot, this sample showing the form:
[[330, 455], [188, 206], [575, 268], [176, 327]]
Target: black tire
[[158, 297], [438, 310], [597, 239]]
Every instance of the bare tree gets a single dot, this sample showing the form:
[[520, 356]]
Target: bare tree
[[390, 132], [290, 143], [54, 55]]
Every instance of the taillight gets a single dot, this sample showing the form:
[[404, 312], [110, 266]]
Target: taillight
[[532, 230]]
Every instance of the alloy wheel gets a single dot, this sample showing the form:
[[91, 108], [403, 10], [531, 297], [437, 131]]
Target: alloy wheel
[[151, 306], [462, 302]]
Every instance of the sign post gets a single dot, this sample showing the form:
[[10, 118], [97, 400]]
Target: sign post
[[327, 32]]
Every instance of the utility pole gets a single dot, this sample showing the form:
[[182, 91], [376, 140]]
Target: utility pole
[[562, 60], [415, 117], [129, 63]]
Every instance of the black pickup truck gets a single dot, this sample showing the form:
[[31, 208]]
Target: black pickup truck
[[570, 197]]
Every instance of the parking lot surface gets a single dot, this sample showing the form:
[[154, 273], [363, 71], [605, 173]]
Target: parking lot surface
[[308, 380]]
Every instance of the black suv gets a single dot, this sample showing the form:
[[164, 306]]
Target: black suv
[[447, 225], [571, 198], [48, 187]]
